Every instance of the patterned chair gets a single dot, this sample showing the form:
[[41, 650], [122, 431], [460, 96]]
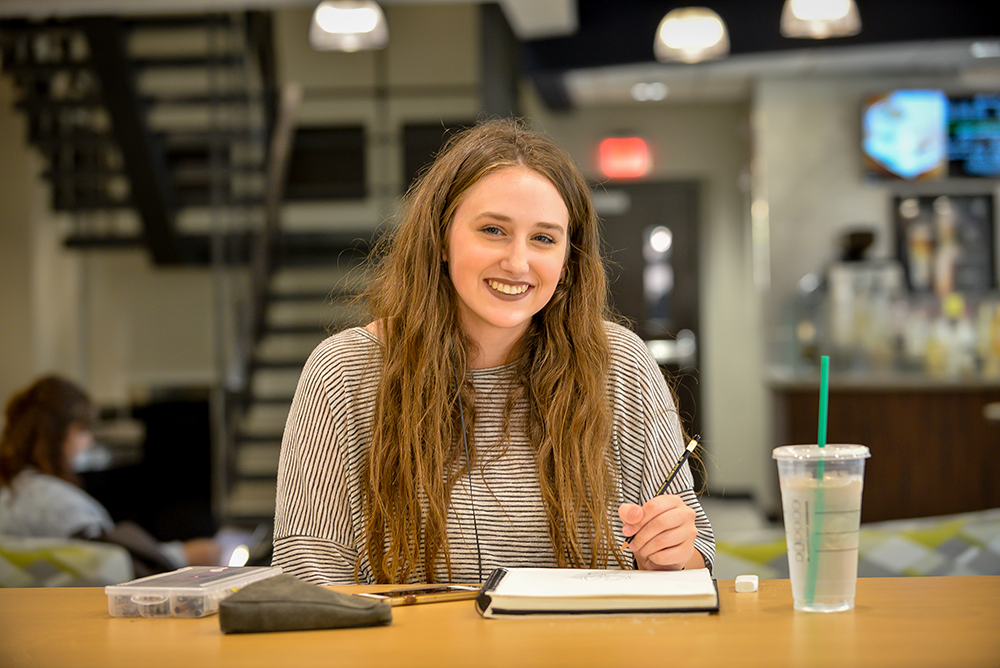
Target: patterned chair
[[57, 562]]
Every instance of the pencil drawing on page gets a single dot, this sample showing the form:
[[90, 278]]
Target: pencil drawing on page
[[606, 576]]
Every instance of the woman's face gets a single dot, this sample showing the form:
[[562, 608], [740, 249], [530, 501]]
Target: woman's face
[[506, 249], [78, 440]]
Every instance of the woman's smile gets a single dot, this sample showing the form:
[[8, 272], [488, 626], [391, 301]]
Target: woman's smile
[[507, 289]]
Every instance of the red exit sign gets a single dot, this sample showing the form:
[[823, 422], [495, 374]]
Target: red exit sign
[[624, 157]]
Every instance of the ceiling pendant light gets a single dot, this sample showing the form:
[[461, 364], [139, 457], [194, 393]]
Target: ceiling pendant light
[[690, 35], [348, 25], [819, 19]]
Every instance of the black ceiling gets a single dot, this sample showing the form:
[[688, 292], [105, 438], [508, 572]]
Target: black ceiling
[[616, 32]]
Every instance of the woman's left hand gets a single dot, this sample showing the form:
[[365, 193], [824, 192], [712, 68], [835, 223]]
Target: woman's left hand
[[663, 533]]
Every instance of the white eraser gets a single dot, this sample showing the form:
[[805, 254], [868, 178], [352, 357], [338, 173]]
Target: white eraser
[[746, 583]]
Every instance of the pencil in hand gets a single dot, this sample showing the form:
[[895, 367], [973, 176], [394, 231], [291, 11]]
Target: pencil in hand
[[673, 474]]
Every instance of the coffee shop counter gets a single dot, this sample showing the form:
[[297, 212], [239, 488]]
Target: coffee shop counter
[[935, 442]]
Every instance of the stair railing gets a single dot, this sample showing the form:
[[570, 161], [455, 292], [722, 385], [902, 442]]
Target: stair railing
[[262, 249], [264, 242]]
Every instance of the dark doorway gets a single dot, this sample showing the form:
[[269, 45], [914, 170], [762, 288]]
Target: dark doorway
[[650, 232]]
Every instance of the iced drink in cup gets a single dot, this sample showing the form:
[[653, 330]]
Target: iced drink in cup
[[821, 507]]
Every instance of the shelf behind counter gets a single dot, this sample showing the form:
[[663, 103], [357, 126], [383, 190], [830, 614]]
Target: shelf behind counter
[[935, 442]]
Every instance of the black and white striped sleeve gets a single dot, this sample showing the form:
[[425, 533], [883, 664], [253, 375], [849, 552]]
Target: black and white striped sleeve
[[660, 433], [313, 534]]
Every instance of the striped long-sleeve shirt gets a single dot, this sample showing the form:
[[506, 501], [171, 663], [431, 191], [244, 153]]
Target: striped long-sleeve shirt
[[319, 525]]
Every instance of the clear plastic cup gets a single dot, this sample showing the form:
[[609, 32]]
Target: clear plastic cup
[[821, 507]]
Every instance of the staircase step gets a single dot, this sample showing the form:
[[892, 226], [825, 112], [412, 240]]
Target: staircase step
[[203, 138], [264, 420], [156, 82], [320, 318], [291, 363], [347, 251], [322, 279], [274, 382], [258, 461], [313, 295], [287, 346], [269, 438], [205, 98], [197, 191], [316, 313], [197, 198], [252, 499], [161, 39], [275, 399]]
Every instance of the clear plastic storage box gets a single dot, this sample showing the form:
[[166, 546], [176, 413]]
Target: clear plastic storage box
[[194, 591]]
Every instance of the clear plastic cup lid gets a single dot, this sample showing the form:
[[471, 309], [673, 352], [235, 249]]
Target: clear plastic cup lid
[[831, 451]]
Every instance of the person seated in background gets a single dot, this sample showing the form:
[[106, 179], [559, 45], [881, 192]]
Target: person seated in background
[[49, 425]]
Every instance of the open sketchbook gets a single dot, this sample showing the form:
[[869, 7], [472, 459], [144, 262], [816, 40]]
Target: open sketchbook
[[567, 591]]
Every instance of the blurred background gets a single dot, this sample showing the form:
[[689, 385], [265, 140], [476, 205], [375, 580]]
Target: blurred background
[[190, 190]]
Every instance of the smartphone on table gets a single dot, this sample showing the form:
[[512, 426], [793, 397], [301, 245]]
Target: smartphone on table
[[424, 594]]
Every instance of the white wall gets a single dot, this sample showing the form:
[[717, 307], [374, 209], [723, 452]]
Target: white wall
[[149, 327], [19, 205]]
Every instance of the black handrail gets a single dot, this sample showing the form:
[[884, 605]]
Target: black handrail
[[262, 251]]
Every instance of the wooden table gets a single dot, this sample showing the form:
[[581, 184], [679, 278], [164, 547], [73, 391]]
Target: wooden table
[[906, 622]]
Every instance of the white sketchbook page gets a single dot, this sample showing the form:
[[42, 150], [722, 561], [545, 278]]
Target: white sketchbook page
[[569, 582]]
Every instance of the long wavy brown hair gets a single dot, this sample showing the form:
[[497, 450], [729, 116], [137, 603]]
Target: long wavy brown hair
[[38, 421], [561, 364]]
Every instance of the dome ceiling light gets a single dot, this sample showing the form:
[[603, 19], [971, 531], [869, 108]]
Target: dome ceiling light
[[820, 19], [691, 35], [348, 25]]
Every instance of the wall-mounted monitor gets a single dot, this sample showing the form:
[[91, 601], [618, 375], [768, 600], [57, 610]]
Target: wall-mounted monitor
[[974, 135], [916, 135]]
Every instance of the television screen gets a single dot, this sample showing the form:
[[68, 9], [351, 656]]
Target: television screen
[[915, 135], [905, 135]]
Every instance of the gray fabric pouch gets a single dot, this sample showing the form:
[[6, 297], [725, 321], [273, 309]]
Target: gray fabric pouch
[[286, 603]]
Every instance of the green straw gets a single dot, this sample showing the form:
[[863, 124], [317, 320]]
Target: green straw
[[818, 503]]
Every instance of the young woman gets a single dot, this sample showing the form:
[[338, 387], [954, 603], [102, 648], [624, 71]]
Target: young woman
[[48, 425], [490, 415]]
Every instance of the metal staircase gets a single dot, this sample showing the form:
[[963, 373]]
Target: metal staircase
[[149, 125], [164, 133], [312, 291]]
